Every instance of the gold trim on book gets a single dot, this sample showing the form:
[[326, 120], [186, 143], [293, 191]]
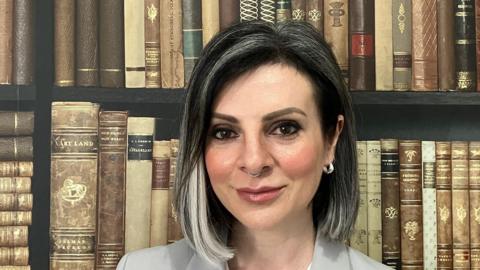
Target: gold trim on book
[[15, 121], [192, 30], [15, 148], [87, 69], [464, 41], [463, 14], [135, 69], [60, 82], [111, 69]]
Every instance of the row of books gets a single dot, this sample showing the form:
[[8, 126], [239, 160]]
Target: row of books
[[419, 203], [16, 198]]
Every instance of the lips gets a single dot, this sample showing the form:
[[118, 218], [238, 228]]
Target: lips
[[259, 195]]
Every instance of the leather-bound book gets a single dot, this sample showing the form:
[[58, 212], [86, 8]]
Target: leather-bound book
[[152, 44], [361, 44], [429, 205], [401, 43], [16, 123], [112, 158], [283, 10], [15, 185], [390, 203], [359, 239], [446, 45], [160, 183], [13, 236], [138, 201], [411, 223], [16, 168], [210, 19], [134, 25], [443, 178], [374, 200], [299, 10], [86, 36], [13, 267], [24, 42], [314, 13], [14, 256], [111, 36], [335, 29], [16, 148], [383, 45], [248, 10], [16, 201], [192, 34], [171, 44], [64, 42], [465, 47], [6, 38], [15, 218], [174, 230], [460, 206], [267, 11], [474, 186], [73, 203], [229, 13], [424, 45]]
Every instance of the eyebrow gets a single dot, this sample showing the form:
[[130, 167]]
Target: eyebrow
[[266, 118]]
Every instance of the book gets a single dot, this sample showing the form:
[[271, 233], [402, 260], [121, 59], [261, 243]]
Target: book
[[374, 200], [16, 123], [152, 44], [14, 256], [314, 13], [16, 201], [134, 26], [249, 10], [383, 45], [283, 10], [160, 185], [210, 19], [13, 267], [474, 190], [299, 10], [16, 168], [15, 184], [192, 34], [23, 42], [229, 13], [6, 38], [64, 42], [402, 44], [174, 232], [171, 45], [267, 11], [86, 36], [359, 238], [429, 205], [15, 218], [16, 148], [465, 48], [446, 45], [335, 30], [13, 236]]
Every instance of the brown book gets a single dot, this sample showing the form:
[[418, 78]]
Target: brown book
[[229, 13], [111, 36], [16, 201], [16, 123], [267, 9], [13, 236], [16, 148], [359, 240], [465, 52], [86, 38], [152, 44], [299, 10], [73, 203], [112, 135], [6, 38], [16, 168], [411, 223], [424, 45], [192, 34], [361, 43], [443, 177], [23, 42], [64, 42], [134, 26], [160, 184], [15, 218], [171, 45], [474, 185], [283, 10], [383, 45], [402, 44], [336, 31], [314, 14], [446, 45], [210, 19], [13, 267], [249, 10], [460, 206], [174, 230], [14, 256], [15, 184]]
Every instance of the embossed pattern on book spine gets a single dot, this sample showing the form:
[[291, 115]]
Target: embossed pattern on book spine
[[336, 31], [374, 200], [171, 44], [429, 205], [359, 239], [314, 14], [283, 10], [465, 48], [160, 185], [474, 186], [401, 42], [248, 10], [299, 10], [152, 44]]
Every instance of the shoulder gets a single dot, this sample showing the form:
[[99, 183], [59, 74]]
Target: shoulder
[[361, 261], [171, 257]]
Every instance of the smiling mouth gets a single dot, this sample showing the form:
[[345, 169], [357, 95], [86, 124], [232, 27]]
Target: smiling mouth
[[261, 195]]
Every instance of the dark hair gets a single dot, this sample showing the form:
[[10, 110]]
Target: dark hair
[[231, 53]]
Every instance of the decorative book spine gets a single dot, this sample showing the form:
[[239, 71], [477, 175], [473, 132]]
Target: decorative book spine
[[390, 203], [15, 218], [336, 31], [383, 45], [429, 205], [283, 10], [210, 19], [24, 36], [443, 177], [174, 230], [192, 34], [16, 202], [374, 200], [410, 155], [86, 36], [359, 239], [474, 185], [361, 43], [73, 205], [134, 25], [460, 206], [446, 45], [152, 44], [229, 13], [298, 10], [16, 168], [465, 50], [12, 267], [64, 52], [267, 11], [140, 132], [160, 184], [248, 10], [171, 45], [111, 188], [6, 41], [14, 236], [16, 148], [110, 39], [401, 44], [15, 184], [16, 123], [14, 256], [314, 13]]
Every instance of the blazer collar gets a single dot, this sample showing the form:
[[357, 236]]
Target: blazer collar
[[198, 263]]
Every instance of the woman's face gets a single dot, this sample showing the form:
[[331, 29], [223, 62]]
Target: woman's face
[[267, 120]]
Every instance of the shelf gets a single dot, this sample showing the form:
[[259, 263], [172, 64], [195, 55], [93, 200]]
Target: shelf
[[17, 93], [415, 98]]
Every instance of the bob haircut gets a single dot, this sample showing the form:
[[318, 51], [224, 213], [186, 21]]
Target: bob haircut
[[205, 222]]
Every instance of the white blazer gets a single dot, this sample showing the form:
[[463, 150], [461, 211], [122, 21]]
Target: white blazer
[[180, 256]]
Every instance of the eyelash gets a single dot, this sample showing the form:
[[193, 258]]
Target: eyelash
[[281, 124]]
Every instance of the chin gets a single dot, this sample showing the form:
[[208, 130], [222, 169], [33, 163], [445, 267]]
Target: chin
[[256, 220]]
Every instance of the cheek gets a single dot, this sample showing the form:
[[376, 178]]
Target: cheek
[[219, 164], [304, 160]]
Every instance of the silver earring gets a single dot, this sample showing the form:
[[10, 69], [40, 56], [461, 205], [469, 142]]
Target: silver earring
[[329, 169]]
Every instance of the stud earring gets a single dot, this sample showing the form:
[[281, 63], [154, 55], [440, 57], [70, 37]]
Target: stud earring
[[329, 168]]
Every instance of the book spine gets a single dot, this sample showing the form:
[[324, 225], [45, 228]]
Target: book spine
[[446, 45], [111, 43], [134, 26], [174, 230], [73, 205], [336, 31], [248, 10], [314, 13], [13, 236], [410, 156], [383, 45], [299, 10], [283, 10], [16, 123], [14, 267], [86, 36], [15, 184], [16, 148], [160, 183], [6, 38], [390, 203], [192, 34], [359, 239], [460, 206], [152, 44], [64, 51], [140, 132], [171, 45], [24, 42], [15, 218], [374, 200], [474, 190], [14, 256], [361, 44], [229, 13], [210, 19], [401, 44], [16, 202], [111, 180], [465, 48], [267, 11], [16, 168], [443, 177], [429, 205]]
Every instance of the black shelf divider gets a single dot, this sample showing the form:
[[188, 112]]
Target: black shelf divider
[[17, 93], [435, 98]]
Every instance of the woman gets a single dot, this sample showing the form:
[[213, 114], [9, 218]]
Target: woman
[[266, 173]]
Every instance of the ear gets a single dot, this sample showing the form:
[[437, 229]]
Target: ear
[[332, 140]]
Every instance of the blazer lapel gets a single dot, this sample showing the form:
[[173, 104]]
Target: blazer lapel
[[330, 255], [198, 263]]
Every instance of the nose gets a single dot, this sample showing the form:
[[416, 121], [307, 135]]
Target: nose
[[256, 158]]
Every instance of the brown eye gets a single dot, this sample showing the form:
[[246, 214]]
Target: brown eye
[[287, 129], [222, 134]]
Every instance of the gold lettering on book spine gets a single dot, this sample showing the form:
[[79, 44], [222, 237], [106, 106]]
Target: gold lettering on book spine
[[314, 15], [411, 229], [336, 12], [391, 212], [464, 79], [152, 13], [477, 214], [461, 214], [298, 15], [444, 213], [410, 155], [401, 18]]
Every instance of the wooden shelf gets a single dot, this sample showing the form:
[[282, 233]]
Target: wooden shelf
[[415, 98], [17, 93]]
